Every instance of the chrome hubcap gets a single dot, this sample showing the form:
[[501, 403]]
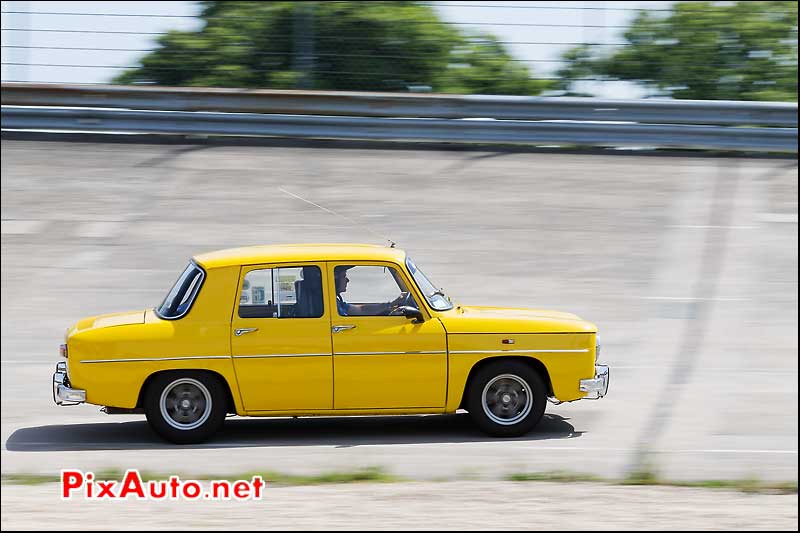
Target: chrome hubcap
[[507, 399], [185, 404]]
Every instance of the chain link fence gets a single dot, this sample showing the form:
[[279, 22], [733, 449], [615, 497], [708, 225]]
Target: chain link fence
[[610, 49]]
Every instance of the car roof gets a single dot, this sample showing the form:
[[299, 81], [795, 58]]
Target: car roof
[[282, 253]]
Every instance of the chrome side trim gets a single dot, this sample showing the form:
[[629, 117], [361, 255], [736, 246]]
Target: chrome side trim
[[267, 356], [390, 353], [151, 359], [584, 350]]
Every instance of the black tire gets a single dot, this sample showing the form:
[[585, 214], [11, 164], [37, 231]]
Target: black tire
[[516, 397], [186, 417]]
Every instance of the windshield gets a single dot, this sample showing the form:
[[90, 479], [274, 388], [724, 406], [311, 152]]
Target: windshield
[[182, 295], [436, 297]]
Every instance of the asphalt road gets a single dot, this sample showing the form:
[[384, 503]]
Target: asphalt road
[[687, 265]]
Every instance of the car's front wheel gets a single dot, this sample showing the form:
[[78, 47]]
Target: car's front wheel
[[185, 407], [506, 398]]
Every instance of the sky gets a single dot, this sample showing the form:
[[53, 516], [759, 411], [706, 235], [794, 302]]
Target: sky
[[558, 26]]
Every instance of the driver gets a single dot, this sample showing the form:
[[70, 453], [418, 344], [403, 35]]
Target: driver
[[347, 309]]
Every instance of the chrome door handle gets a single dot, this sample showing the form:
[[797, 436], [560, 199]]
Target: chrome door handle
[[337, 329], [241, 331]]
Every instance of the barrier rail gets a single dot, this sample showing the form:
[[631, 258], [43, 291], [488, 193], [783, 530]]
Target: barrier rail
[[762, 126]]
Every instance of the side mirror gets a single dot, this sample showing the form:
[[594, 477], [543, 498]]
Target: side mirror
[[409, 311]]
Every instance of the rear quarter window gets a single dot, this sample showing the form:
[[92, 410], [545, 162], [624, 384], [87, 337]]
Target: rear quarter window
[[182, 295]]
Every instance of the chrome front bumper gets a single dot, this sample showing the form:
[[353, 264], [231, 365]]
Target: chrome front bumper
[[597, 387], [63, 394]]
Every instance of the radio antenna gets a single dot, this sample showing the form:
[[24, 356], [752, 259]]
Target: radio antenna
[[383, 237]]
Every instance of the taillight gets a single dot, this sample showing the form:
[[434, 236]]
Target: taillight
[[62, 350]]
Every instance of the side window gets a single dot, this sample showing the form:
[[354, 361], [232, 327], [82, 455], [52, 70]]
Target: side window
[[369, 290], [294, 292]]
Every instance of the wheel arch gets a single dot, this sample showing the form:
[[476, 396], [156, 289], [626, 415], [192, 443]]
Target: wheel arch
[[535, 364], [231, 405]]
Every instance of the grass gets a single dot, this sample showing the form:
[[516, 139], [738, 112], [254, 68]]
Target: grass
[[649, 477], [370, 474], [378, 475], [747, 485], [29, 479], [558, 477]]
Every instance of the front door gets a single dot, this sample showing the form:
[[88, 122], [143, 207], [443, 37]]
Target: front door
[[281, 338], [383, 361]]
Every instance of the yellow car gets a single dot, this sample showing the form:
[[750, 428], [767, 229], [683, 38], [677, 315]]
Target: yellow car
[[324, 329]]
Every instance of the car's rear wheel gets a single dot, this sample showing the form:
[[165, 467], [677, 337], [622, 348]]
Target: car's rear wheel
[[506, 398], [185, 407]]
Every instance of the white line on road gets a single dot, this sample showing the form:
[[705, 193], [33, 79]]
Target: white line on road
[[790, 452], [23, 362], [700, 226], [780, 371], [692, 298], [493, 445], [791, 218], [593, 449], [21, 227], [100, 229], [597, 449]]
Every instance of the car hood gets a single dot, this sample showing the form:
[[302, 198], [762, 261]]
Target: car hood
[[110, 320], [477, 319]]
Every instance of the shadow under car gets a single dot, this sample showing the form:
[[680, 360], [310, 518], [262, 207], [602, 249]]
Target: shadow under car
[[266, 432]]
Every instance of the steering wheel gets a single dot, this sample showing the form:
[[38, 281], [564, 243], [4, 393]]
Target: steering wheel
[[406, 300]]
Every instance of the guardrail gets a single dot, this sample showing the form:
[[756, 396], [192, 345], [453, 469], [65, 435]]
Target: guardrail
[[761, 126]]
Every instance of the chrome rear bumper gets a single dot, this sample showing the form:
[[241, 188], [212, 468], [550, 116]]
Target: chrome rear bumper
[[63, 394], [596, 387]]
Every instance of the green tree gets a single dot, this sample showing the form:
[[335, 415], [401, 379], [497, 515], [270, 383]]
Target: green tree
[[703, 50], [380, 46], [480, 65]]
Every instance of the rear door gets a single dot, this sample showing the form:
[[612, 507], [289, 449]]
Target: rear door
[[281, 338]]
